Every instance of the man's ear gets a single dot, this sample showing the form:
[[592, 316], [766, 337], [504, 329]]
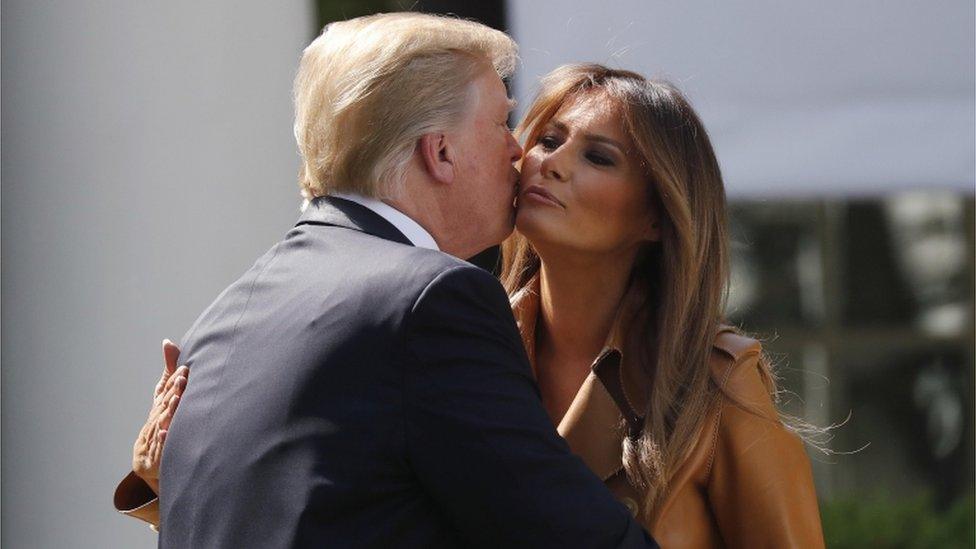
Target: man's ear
[[438, 157]]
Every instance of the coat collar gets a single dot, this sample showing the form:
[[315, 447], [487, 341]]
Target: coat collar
[[612, 397], [339, 212], [595, 424]]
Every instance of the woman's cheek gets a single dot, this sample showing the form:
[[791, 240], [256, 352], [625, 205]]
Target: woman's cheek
[[608, 211], [529, 166]]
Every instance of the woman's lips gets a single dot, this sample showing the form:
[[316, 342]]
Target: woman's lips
[[539, 194]]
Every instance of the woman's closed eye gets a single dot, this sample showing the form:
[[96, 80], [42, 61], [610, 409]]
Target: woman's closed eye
[[599, 159], [549, 142]]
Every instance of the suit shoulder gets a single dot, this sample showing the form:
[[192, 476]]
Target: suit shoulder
[[405, 267], [462, 294], [421, 275], [435, 263], [464, 313], [463, 282]]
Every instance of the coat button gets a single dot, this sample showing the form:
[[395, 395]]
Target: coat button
[[631, 505]]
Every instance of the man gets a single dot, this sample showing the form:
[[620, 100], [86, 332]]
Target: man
[[361, 386]]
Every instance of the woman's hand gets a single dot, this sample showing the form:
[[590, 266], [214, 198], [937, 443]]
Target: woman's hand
[[148, 448]]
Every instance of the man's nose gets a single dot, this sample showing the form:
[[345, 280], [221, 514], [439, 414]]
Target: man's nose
[[515, 148]]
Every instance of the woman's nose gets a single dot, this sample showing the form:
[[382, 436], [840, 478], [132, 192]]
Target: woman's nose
[[554, 166]]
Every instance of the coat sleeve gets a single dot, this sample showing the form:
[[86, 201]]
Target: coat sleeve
[[760, 486], [478, 438], [134, 498]]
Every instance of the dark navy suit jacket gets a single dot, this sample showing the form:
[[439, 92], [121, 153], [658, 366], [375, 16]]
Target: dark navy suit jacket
[[351, 390]]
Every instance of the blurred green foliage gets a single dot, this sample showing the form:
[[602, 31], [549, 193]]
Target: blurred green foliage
[[912, 523]]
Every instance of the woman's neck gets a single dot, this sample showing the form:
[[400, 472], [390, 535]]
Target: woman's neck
[[579, 301]]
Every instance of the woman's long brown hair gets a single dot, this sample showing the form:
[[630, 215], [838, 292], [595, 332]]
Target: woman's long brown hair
[[680, 281]]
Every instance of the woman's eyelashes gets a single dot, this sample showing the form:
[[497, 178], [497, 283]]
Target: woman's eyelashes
[[550, 143], [599, 159]]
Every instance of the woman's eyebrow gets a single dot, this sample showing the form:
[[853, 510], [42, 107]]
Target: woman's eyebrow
[[591, 136]]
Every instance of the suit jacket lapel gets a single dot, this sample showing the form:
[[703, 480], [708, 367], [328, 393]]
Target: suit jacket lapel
[[339, 212]]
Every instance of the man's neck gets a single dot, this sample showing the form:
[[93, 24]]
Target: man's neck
[[433, 212]]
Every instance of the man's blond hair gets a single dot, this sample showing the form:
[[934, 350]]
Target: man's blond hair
[[369, 87]]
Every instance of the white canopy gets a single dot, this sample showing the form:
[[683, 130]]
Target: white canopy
[[800, 98]]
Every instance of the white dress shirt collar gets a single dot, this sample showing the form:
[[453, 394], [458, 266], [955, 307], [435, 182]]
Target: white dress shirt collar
[[417, 235]]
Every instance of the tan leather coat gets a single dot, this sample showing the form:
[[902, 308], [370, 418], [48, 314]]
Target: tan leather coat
[[134, 498], [747, 481]]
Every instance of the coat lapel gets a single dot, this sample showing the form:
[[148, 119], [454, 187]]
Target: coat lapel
[[594, 428]]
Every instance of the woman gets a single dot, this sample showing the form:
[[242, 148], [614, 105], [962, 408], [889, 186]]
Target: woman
[[617, 274], [621, 253]]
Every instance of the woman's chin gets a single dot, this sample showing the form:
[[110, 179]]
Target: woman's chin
[[530, 224], [521, 220]]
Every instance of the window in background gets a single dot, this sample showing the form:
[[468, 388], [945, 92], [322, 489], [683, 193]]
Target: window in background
[[867, 308]]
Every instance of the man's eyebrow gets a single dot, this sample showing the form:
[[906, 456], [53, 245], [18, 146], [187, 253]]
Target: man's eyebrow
[[590, 136]]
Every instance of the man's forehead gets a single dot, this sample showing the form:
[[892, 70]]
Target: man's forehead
[[493, 92], [500, 98], [505, 94]]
